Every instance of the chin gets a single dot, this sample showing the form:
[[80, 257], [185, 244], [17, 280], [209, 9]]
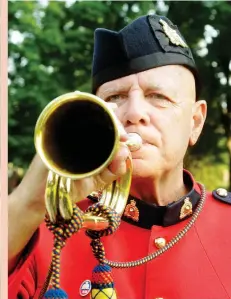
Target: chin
[[141, 169], [147, 169]]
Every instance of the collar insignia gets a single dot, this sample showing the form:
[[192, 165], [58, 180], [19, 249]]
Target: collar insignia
[[172, 35], [186, 209], [131, 211]]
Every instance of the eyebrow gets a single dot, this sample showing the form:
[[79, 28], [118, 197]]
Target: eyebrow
[[113, 89], [154, 86], [107, 91], [170, 92]]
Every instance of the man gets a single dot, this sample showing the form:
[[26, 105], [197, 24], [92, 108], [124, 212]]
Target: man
[[148, 72]]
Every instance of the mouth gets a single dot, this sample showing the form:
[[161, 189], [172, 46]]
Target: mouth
[[137, 141], [134, 141]]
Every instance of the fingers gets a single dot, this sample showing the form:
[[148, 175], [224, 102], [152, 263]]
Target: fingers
[[117, 167]]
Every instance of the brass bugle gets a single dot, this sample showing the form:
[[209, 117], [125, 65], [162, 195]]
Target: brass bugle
[[77, 136]]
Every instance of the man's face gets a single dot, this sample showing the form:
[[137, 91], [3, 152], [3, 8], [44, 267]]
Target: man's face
[[159, 104]]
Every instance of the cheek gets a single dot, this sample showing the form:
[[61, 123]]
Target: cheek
[[174, 128]]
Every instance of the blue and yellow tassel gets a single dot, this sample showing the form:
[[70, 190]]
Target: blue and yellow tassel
[[102, 283], [55, 293]]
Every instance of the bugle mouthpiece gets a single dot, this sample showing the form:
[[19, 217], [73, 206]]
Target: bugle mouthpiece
[[134, 141]]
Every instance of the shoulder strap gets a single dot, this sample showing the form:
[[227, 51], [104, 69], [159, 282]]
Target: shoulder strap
[[222, 195]]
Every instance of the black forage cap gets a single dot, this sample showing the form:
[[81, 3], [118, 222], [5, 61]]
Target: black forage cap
[[149, 41]]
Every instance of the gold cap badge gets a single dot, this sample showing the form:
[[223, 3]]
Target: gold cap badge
[[172, 34], [186, 209], [131, 211]]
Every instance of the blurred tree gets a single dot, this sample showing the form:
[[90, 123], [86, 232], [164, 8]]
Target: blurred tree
[[50, 53]]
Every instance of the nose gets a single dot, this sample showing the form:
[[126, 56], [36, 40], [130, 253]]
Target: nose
[[136, 112]]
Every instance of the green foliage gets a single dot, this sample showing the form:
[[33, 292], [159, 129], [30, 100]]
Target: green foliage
[[53, 53], [54, 57], [212, 175]]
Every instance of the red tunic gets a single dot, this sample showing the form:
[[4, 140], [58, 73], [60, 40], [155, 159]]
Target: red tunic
[[197, 267]]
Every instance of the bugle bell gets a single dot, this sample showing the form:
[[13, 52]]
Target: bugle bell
[[77, 136]]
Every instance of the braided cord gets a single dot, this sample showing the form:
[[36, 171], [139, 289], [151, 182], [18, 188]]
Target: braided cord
[[114, 222], [98, 248], [62, 230], [110, 214], [169, 245]]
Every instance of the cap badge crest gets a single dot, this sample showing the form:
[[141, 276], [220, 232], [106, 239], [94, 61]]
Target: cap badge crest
[[172, 34]]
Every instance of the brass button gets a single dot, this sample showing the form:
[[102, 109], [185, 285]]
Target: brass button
[[160, 243], [222, 192]]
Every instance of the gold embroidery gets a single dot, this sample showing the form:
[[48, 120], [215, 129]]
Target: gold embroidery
[[131, 211], [173, 35], [186, 209]]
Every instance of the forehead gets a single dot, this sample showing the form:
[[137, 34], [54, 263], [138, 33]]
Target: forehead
[[170, 77]]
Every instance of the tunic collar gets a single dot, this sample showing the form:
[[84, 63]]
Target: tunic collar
[[145, 215]]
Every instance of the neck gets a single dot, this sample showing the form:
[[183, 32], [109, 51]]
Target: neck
[[162, 189]]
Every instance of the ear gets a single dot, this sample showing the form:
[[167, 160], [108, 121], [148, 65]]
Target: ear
[[198, 120]]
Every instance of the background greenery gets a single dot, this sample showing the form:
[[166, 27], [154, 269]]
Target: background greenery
[[50, 52]]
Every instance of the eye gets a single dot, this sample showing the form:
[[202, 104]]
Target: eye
[[158, 99], [117, 98], [157, 96]]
